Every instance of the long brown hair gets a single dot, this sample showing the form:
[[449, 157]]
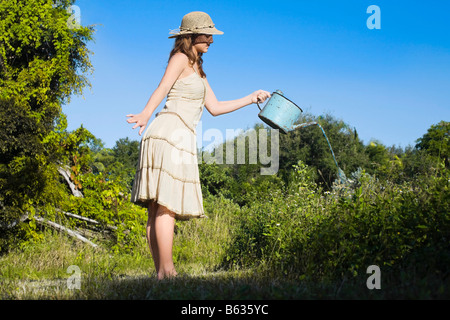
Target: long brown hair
[[184, 45]]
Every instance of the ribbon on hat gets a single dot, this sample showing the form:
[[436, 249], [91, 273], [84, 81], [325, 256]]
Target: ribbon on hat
[[174, 31], [195, 28], [182, 29]]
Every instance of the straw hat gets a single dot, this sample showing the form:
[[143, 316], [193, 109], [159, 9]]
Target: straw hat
[[196, 22]]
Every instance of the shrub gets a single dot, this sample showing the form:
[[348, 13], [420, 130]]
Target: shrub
[[302, 232]]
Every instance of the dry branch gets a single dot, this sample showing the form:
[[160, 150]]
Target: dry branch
[[76, 216], [22, 218], [62, 228], [65, 173], [73, 215]]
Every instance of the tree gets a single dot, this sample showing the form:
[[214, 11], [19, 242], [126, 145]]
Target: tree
[[126, 151], [378, 155], [123, 168], [309, 145], [43, 61], [436, 142]]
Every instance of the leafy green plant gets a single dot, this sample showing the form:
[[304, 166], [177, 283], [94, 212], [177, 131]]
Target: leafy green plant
[[303, 232], [42, 63]]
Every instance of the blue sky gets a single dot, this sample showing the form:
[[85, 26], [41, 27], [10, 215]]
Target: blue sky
[[390, 84]]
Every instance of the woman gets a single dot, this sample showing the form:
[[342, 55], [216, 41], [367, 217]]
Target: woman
[[167, 178]]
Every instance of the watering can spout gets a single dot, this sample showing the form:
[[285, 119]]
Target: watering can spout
[[281, 113], [303, 125]]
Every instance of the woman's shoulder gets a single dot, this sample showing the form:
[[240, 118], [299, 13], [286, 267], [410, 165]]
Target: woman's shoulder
[[178, 61], [179, 57]]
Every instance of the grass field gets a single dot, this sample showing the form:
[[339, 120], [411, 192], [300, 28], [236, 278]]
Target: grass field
[[284, 244], [40, 271]]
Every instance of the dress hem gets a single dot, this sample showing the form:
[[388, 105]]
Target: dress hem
[[143, 202]]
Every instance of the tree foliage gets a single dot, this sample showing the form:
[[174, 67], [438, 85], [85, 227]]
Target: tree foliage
[[42, 63], [436, 142]]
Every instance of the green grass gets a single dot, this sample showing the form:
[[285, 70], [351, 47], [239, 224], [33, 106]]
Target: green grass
[[38, 270]]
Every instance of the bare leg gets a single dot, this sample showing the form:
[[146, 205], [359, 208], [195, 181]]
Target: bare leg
[[164, 229], [151, 236]]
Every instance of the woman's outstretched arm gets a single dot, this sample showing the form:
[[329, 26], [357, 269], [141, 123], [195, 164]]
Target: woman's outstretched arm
[[174, 68], [217, 108]]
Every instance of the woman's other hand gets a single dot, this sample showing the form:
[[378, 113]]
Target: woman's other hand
[[176, 65], [140, 120]]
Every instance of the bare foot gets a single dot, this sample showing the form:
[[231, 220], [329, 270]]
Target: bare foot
[[167, 275]]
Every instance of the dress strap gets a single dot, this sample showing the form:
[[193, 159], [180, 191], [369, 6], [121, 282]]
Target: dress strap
[[195, 71]]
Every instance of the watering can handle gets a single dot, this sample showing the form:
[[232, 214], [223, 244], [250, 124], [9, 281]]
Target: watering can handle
[[257, 100], [258, 104], [281, 94]]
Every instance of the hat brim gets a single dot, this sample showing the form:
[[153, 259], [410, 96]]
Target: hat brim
[[210, 31]]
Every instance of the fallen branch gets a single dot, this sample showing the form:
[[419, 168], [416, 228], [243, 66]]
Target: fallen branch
[[79, 217], [65, 173], [22, 218], [76, 216], [62, 228]]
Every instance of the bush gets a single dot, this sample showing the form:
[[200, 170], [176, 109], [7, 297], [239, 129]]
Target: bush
[[301, 232], [106, 202]]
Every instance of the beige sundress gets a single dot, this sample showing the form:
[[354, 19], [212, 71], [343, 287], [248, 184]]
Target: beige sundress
[[167, 171]]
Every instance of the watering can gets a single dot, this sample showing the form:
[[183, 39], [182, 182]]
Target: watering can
[[281, 113]]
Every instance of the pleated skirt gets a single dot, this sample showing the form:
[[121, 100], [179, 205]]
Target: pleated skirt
[[167, 171]]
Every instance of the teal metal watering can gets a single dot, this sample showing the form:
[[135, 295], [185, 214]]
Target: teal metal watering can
[[281, 113]]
